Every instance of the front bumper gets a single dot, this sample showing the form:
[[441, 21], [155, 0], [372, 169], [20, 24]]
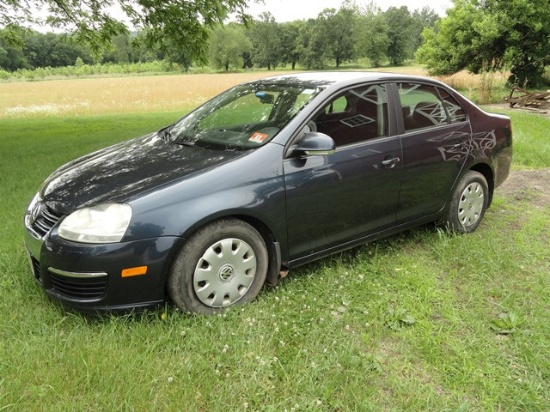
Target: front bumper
[[90, 277]]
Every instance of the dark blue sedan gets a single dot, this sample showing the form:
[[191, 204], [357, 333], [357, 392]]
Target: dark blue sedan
[[266, 176]]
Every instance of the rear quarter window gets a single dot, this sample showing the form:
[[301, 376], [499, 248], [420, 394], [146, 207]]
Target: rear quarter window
[[455, 111]]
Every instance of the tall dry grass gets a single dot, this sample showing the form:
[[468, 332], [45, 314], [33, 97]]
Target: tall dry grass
[[168, 92], [115, 95], [482, 88]]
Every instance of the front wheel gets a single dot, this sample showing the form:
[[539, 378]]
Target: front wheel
[[468, 203], [223, 264]]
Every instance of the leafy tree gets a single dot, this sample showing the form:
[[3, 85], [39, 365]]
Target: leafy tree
[[399, 23], [491, 35], [12, 58], [290, 40], [329, 36], [40, 50], [421, 19], [336, 29], [140, 53], [176, 26], [122, 51], [311, 47], [247, 60], [227, 45], [372, 38], [52, 50], [266, 41], [176, 53]]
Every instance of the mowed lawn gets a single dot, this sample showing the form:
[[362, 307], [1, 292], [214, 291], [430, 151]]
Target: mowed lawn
[[424, 320]]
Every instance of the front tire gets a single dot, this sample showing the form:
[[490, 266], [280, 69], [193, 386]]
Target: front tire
[[468, 203], [223, 264]]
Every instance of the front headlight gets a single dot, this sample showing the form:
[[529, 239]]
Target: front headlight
[[104, 223]]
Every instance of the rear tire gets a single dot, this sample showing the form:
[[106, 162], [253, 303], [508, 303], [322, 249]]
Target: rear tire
[[468, 203], [223, 264]]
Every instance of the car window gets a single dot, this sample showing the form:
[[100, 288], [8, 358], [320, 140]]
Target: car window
[[338, 105], [355, 115], [421, 106], [244, 117], [301, 100], [455, 111], [243, 110]]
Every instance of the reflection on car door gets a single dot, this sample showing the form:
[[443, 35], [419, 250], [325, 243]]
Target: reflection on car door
[[353, 192], [436, 139]]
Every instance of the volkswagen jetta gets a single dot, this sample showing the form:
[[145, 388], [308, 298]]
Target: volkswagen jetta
[[266, 176]]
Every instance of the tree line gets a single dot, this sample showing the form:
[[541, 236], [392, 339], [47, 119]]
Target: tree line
[[35, 50], [332, 38], [480, 36]]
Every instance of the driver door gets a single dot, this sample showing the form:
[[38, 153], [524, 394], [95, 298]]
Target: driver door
[[340, 198]]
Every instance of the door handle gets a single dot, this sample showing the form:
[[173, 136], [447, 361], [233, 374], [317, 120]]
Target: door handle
[[390, 163]]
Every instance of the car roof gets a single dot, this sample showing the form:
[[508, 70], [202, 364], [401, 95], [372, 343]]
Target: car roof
[[339, 77]]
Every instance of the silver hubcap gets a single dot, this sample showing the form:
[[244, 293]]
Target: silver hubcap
[[471, 204], [224, 273]]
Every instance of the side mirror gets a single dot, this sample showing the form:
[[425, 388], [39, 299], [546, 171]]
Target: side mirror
[[316, 144]]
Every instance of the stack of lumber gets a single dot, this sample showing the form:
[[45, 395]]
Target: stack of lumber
[[523, 99]]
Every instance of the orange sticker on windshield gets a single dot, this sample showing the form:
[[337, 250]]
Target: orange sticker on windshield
[[258, 137]]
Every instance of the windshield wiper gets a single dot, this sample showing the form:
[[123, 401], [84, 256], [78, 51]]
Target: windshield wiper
[[166, 133], [183, 140]]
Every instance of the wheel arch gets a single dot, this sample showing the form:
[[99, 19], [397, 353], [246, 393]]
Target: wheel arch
[[272, 245], [487, 172]]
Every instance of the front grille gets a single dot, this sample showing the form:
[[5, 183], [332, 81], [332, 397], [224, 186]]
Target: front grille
[[45, 221], [35, 265], [78, 288]]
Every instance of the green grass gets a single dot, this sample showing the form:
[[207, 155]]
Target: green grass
[[531, 140], [423, 320]]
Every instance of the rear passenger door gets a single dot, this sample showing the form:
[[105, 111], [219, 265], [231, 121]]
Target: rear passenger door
[[435, 136]]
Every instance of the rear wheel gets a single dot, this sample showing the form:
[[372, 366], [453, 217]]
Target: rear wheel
[[223, 264], [468, 203]]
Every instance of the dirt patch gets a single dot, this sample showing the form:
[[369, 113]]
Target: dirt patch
[[527, 185]]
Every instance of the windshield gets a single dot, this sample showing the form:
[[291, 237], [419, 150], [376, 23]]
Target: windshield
[[243, 117]]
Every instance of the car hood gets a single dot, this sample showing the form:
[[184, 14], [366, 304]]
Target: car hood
[[117, 173]]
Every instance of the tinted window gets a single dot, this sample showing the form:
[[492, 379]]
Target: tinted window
[[421, 106], [455, 112], [355, 115], [338, 105]]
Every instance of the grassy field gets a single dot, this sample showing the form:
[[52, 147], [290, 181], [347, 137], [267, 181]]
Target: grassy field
[[98, 96], [424, 320], [151, 94]]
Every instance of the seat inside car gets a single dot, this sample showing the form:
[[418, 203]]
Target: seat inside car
[[424, 114], [357, 123]]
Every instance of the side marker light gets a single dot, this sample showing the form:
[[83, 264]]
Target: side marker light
[[137, 271]]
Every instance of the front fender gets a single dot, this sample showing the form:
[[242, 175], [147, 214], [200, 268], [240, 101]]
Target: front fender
[[251, 186]]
